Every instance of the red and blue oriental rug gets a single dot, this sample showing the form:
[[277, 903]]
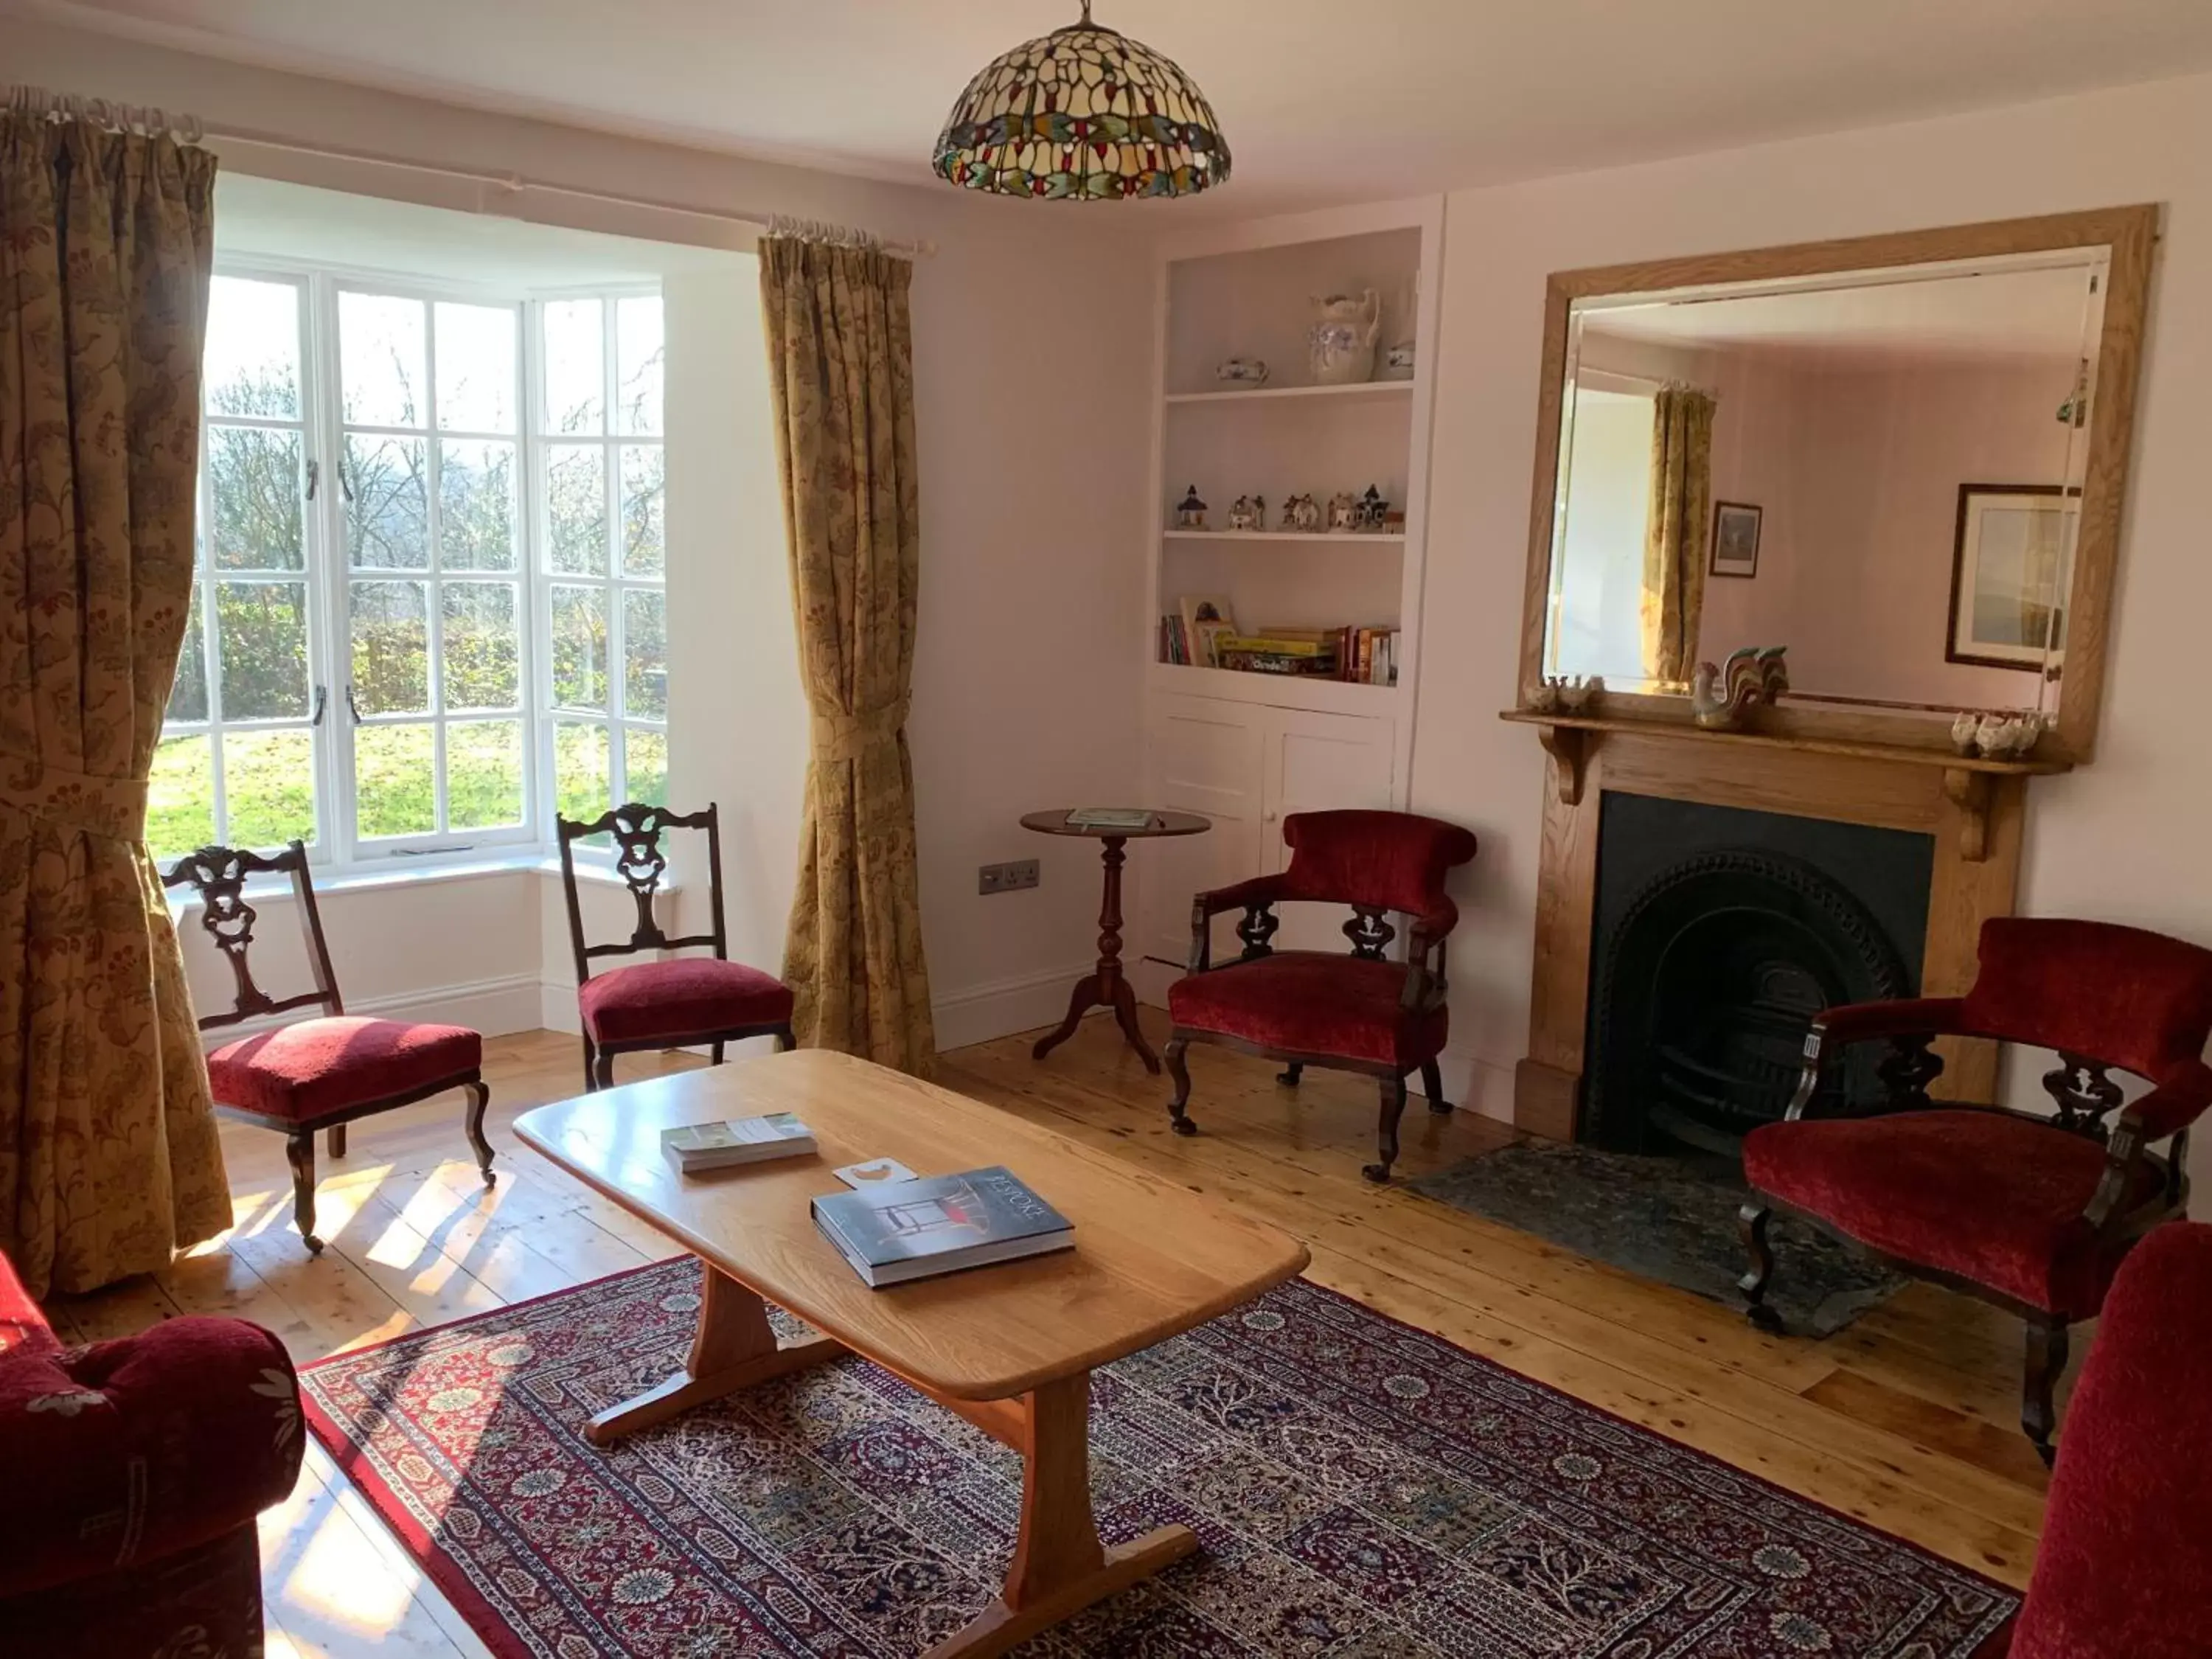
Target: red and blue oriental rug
[[1362, 1490]]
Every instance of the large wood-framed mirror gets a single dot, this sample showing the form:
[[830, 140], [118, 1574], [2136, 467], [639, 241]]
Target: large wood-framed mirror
[[1903, 456]]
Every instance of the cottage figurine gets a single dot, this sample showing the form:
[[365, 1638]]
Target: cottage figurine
[[1343, 510], [1248, 513], [1370, 512], [1301, 513], [1190, 512]]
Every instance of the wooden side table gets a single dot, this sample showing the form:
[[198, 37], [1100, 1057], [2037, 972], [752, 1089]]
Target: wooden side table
[[1105, 986]]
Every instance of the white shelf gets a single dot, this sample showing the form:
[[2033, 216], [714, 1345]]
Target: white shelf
[[1281, 690], [1385, 539], [1276, 393]]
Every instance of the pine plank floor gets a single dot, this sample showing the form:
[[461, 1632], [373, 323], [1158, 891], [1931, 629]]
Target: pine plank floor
[[1908, 1420]]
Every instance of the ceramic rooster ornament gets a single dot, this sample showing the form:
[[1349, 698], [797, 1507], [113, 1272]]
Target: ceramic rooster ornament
[[1721, 697]]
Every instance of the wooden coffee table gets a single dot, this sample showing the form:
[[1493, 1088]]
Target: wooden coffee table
[[1011, 1347]]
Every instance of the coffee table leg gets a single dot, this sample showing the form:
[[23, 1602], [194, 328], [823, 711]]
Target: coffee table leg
[[733, 1348], [1060, 1565]]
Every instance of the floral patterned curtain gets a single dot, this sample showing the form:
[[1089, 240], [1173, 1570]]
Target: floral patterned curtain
[[841, 355], [108, 1157], [1675, 530]]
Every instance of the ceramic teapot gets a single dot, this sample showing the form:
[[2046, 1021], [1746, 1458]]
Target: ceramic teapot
[[1341, 343]]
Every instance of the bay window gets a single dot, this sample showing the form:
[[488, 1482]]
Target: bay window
[[429, 605]]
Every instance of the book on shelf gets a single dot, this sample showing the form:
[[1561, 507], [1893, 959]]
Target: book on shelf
[[1111, 818], [696, 1146], [940, 1225]]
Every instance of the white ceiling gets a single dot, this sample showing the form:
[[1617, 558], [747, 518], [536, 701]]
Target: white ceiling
[[1322, 100], [2034, 313]]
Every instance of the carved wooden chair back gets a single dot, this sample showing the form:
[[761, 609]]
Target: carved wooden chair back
[[2102, 996], [636, 830], [219, 875], [1378, 863]]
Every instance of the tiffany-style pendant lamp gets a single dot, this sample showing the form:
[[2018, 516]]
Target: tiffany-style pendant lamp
[[1083, 114]]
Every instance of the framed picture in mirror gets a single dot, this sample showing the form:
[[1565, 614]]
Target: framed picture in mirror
[[1735, 539], [2010, 566]]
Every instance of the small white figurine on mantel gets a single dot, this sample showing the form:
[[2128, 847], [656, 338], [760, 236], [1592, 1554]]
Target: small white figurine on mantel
[[1190, 512], [1343, 510], [1248, 513], [1300, 513]]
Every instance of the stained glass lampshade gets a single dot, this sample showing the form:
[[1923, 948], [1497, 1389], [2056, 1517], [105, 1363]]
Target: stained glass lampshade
[[1083, 114]]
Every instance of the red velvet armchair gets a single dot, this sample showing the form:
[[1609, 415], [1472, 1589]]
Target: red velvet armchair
[[135, 1470], [2124, 1569], [1361, 1013], [2033, 1213]]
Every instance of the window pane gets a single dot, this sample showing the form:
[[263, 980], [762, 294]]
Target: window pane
[[640, 354], [188, 697], [476, 368], [261, 640], [644, 481], [392, 793], [250, 364], [575, 367], [576, 507], [579, 771], [645, 766], [484, 774], [476, 505], [579, 647], [180, 797], [269, 786], [645, 645], [391, 647], [482, 656], [380, 359], [387, 515], [254, 497]]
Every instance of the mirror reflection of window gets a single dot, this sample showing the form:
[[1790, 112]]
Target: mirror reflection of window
[[1600, 627]]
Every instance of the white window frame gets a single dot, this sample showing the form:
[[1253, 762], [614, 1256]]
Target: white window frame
[[328, 574], [613, 584]]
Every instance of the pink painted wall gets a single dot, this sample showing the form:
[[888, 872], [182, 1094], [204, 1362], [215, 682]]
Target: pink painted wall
[[1857, 466]]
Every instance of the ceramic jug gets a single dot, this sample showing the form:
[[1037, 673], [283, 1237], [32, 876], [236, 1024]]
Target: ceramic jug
[[1341, 343]]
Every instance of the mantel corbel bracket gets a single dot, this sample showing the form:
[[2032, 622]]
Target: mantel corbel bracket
[[1971, 793], [1569, 746]]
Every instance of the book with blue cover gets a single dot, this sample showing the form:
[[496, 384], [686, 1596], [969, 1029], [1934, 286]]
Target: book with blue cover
[[940, 1225]]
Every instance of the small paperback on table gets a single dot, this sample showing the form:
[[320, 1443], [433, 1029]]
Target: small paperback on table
[[940, 1225], [696, 1146], [1111, 818]]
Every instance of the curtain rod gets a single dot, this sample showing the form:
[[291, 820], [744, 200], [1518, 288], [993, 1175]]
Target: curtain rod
[[514, 184], [189, 130]]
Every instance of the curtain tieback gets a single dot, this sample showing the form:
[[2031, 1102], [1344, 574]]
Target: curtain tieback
[[843, 737], [75, 800]]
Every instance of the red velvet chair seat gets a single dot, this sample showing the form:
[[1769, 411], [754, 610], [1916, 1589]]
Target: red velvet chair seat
[[2124, 1569], [1311, 1002], [687, 997], [1992, 1198], [320, 1066]]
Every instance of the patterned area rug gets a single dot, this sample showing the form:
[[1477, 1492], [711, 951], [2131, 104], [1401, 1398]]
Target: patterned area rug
[[1669, 1218], [1363, 1491]]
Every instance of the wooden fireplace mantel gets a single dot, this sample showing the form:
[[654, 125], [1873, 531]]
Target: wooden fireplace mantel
[[1973, 808], [1968, 779]]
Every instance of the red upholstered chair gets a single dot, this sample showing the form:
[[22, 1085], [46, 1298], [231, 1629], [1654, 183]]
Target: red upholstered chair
[[677, 1002], [1361, 1013], [2124, 1569], [135, 1469], [2030, 1213], [317, 1073]]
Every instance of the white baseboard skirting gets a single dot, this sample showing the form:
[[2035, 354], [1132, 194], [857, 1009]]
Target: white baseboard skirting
[[1000, 1007], [493, 1006]]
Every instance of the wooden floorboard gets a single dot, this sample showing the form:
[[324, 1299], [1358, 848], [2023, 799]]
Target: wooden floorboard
[[1906, 1420]]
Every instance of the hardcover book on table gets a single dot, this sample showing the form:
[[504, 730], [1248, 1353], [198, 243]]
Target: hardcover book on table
[[741, 1141], [940, 1225]]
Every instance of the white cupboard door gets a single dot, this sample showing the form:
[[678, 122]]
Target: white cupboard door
[[1314, 763], [1207, 756]]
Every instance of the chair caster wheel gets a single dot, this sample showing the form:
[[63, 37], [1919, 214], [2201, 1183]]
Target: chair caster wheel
[[1766, 1318], [1441, 1108], [491, 1178], [1377, 1173], [1182, 1126], [314, 1245]]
